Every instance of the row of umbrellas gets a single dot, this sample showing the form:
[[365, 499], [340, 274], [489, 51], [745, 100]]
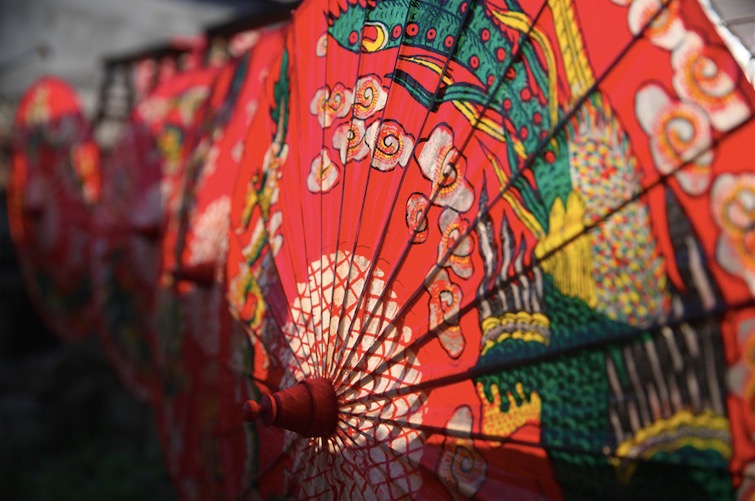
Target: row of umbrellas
[[449, 249]]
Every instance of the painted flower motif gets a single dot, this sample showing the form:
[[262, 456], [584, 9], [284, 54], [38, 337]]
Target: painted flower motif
[[250, 110], [372, 454], [321, 47], [390, 144], [706, 75], [461, 467], [369, 97], [679, 136], [349, 140], [416, 207], [453, 228], [445, 300], [323, 174], [327, 104], [210, 242], [733, 205], [237, 151], [442, 164], [666, 30], [273, 230]]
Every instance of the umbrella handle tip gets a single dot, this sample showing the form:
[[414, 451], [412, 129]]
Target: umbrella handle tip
[[251, 411]]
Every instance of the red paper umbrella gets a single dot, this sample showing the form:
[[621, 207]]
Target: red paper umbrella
[[141, 179], [499, 249], [53, 183], [196, 329]]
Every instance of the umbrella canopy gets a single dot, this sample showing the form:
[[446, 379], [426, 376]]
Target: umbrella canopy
[[505, 247], [142, 177], [206, 446], [54, 183]]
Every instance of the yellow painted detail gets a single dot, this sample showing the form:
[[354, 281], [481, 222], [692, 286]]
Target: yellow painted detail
[[497, 423], [578, 70], [472, 115], [254, 289], [380, 40], [484, 124], [251, 201], [707, 420], [571, 264], [519, 317], [428, 63]]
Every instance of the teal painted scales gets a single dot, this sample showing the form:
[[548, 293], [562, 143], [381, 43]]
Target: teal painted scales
[[513, 94]]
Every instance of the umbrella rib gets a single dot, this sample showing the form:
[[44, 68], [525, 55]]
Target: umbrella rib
[[446, 432], [229, 365], [366, 454], [628, 334], [343, 363], [336, 375], [285, 451], [313, 350], [326, 331], [312, 452], [272, 313], [427, 337], [335, 464], [407, 245], [301, 335], [268, 287], [322, 220], [529, 161], [324, 348], [419, 464], [319, 450]]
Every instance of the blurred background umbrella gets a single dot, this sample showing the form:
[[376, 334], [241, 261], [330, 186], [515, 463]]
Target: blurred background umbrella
[[99, 441], [53, 186], [205, 445]]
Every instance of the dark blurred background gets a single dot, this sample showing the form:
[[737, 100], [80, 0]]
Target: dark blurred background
[[68, 429]]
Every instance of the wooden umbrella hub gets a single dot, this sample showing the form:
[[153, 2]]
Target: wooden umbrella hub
[[309, 408]]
